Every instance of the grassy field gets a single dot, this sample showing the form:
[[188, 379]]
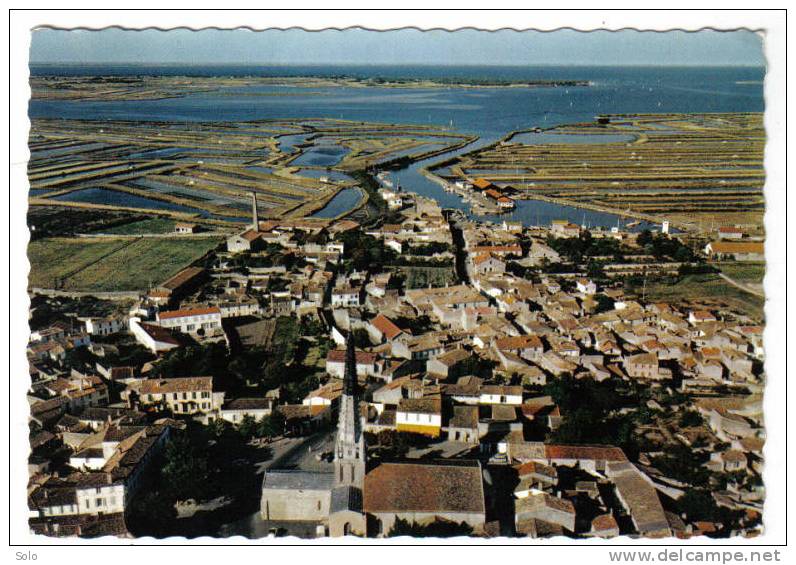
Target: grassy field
[[53, 258], [112, 265], [422, 277], [707, 290], [744, 272], [149, 225]]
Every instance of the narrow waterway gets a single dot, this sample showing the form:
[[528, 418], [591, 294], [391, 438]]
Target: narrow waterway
[[529, 212]]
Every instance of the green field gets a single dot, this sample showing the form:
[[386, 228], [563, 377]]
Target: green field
[[707, 289], [104, 265], [423, 277], [54, 258], [149, 225], [744, 272]]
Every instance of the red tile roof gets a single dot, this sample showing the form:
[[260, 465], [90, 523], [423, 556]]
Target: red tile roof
[[183, 384], [181, 278], [425, 487], [386, 326], [338, 356], [188, 312], [250, 235], [518, 342], [591, 452]]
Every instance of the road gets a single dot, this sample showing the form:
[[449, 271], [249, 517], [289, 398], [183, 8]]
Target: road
[[299, 453], [461, 254], [742, 286]]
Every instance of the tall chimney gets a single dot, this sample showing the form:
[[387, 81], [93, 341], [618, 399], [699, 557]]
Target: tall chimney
[[255, 220]]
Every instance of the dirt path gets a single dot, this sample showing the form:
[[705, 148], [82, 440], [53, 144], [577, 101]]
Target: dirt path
[[742, 286]]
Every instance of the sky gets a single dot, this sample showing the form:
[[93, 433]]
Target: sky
[[406, 46]]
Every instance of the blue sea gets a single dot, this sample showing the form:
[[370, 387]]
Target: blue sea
[[489, 113]]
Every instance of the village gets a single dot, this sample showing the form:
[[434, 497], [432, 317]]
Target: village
[[419, 374]]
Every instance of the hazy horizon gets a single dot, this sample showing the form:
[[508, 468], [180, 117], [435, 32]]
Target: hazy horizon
[[404, 47]]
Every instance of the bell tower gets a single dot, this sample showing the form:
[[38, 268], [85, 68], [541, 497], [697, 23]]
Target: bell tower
[[349, 457], [346, 515]]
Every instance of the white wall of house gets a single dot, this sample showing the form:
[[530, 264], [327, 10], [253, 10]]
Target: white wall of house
[[106, 499], [79, 462], [417, 419], [192, 324], [147, 340], [98, 326], [345, 300], [500, 399], [236, 416]]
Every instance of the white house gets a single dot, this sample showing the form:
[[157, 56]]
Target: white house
[[487, 263], [585, 286], [345, 297], [154, 338], [99, 496], [192, 321], [235, 410], [186, 395], [500, 394], [104, 326], [367, 363], [419, 415]]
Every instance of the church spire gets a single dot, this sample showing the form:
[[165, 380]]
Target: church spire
[[350, 452], [350, 376]]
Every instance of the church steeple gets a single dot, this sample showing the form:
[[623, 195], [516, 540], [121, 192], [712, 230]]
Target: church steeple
[[350, 445], [350, 375]]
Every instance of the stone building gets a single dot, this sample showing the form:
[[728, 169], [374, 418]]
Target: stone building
[[330, 501]]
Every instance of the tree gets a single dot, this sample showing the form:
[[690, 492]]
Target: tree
[[439, 528], [595, 270], [361, 338], [277, 422], [185, 469], [218, 428], [604, 304], [683, 254], [266, 427], [690, 419], [644, 238], [699, 505], [684, 464], [211, 359], [247, 426], [151, 514]]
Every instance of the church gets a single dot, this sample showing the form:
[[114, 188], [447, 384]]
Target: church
[[348, 498]]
